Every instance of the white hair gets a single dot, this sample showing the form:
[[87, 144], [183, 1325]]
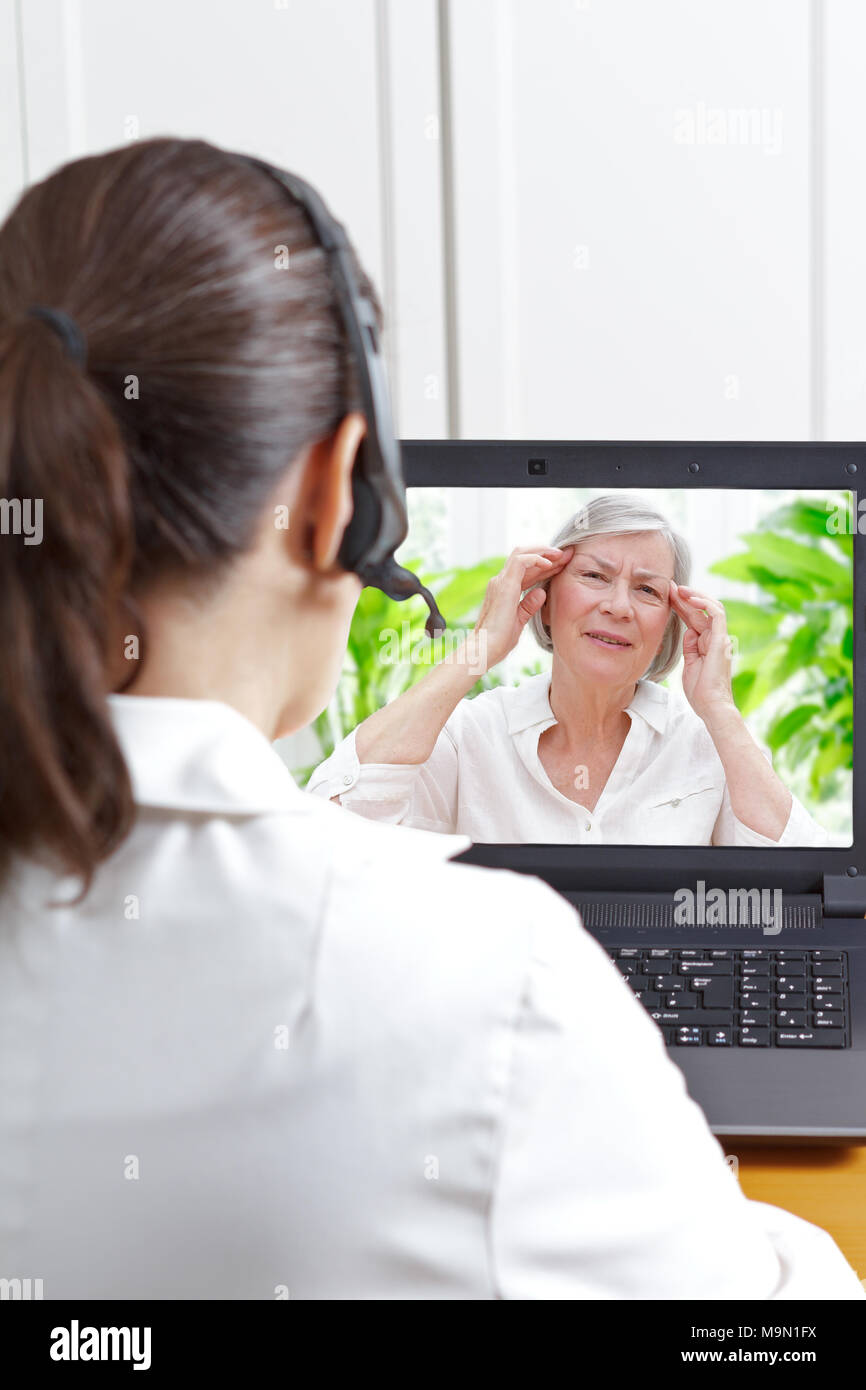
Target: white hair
[[619, 514]]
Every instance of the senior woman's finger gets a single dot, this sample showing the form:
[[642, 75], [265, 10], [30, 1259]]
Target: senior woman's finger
[[703, 603], [528, 567], [698, 610], [690, 615], [553, 554]]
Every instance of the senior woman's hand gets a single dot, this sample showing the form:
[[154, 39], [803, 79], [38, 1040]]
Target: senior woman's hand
[[758, 799], [507, 607], [707, 650]]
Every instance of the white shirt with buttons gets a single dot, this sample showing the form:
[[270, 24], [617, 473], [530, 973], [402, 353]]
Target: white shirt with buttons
[[485, 779], [281, 1051]]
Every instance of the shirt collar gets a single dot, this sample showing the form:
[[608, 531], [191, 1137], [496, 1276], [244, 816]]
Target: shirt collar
[[529, 703], [201, 755]]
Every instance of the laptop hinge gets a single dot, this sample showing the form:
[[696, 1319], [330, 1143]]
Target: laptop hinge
[[844, 896]]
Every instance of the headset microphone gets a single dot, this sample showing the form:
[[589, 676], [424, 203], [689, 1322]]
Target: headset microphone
[[379, 522]]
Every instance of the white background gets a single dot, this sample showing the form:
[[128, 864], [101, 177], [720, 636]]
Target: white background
[[556, 258]]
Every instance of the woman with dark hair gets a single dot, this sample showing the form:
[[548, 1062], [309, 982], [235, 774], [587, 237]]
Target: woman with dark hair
[[253, 1046]]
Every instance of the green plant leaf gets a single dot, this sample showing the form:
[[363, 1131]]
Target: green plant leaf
[[802, 649], [789, 724], [464, 593], [795, 560], [786, 592], [752, 625]]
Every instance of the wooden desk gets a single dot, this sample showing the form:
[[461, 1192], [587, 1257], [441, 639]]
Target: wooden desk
[[823, 1185]]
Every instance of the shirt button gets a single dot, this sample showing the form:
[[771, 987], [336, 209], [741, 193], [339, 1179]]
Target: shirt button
[[347, 780], [676, 801], [588, 825]]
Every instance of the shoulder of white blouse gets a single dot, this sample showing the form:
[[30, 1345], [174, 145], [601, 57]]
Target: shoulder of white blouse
[[489, 709], [686, 728]]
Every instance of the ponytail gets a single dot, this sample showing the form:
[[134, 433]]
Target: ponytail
[[65, 555], [208, 370]]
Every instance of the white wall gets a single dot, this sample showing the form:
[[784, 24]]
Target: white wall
[[644, 281], [843, 360], [573, 235]]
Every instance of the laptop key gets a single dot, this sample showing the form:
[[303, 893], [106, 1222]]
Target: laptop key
[[755, 1018], [754, 1037], [716, 994], [668, 983], [786, 1000], [755, 1001], [720, 1037], [688, 1037], [806, 1037], [649, 998], [790, 1020]]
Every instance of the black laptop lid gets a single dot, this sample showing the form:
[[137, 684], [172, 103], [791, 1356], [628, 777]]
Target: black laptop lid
[[759, 539]]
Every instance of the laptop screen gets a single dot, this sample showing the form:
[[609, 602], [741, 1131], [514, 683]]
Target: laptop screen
[[611, 719]]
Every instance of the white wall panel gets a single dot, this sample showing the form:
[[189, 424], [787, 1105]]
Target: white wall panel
[[844, 187], [610, 277], [12, 170], [296, 83], [632, 254], [412, 150]]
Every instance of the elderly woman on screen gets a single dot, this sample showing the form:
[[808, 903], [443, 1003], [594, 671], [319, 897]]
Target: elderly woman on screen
[[596, 751]]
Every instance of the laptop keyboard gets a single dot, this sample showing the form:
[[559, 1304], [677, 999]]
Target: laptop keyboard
[[741, 997]]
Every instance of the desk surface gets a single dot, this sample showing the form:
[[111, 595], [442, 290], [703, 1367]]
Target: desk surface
[[823, 1185]]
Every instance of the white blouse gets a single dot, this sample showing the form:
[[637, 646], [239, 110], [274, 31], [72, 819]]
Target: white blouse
[[485, 779], [284, 1052]]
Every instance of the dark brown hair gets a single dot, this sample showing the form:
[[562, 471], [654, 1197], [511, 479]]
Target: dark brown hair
[[208, 371]]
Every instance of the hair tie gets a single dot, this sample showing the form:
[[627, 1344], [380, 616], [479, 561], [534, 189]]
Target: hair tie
[[66, 329]]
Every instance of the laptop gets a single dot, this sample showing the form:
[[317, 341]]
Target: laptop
[[751, 959]]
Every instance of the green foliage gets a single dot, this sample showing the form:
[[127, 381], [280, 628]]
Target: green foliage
[[388, 649], [795, 646]]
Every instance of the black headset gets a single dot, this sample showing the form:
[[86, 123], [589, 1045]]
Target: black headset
[[379, 522]]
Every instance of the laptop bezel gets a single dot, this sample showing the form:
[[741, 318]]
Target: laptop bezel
[[642, 466]]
